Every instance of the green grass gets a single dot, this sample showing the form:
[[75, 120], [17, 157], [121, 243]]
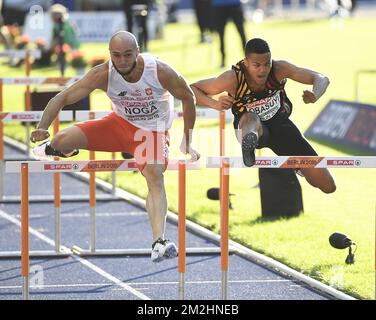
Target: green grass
[[301, 242]]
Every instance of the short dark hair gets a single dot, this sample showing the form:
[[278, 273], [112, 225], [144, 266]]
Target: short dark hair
[[256, 45]]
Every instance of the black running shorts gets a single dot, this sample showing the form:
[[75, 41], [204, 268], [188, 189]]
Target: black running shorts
[[283, 138]]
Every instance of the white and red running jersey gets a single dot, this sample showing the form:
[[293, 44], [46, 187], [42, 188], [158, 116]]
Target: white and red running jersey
[[145, 103]]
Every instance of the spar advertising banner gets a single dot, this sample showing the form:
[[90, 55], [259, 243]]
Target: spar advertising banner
[[346, 124]]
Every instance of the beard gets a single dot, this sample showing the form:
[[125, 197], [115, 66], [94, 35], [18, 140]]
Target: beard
[[127, 72]]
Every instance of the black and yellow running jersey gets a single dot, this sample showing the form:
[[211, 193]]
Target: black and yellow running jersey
[[267, 104]]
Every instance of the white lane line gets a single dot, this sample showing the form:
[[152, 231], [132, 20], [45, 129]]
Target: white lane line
[[77, 285], [79, 259], [31, 230], [87, 214]]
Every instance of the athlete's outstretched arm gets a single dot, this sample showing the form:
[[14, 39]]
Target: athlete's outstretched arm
[[177, 86], [94, 79], [205, 89], [306, 76]]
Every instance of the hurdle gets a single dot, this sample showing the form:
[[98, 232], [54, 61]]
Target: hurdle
[[224, 249], [28, 116], [93, 166], [24, 54], [224, 216], [92, 199], [287, 162], [130, 165], [25, 263], [35, 116], [200, 113], [181, 230], [298, 162], [57, 198], [212, 162], [28, 81], [68, 116]]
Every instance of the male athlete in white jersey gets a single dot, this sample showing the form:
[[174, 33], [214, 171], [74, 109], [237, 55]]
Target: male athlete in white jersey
[[141, 89]]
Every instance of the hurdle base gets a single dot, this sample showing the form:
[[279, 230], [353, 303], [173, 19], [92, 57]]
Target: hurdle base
[[34, 254], [64, 198], [143, 251]]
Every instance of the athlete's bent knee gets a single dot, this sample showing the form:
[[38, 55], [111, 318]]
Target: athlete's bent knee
[[250, 117], [59, 141]]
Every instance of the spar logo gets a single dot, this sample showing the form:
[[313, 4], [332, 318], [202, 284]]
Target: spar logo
[[57, 167], [343, 162]]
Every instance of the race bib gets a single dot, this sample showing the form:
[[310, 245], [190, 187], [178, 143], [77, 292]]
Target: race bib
[[267, 107]]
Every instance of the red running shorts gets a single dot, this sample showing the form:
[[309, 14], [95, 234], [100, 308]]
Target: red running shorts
[[114, 134]]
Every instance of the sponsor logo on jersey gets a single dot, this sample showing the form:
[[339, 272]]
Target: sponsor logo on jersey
[[123, 93]]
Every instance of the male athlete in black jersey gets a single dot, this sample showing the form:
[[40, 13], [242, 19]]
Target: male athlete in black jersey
[[261, 108]]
